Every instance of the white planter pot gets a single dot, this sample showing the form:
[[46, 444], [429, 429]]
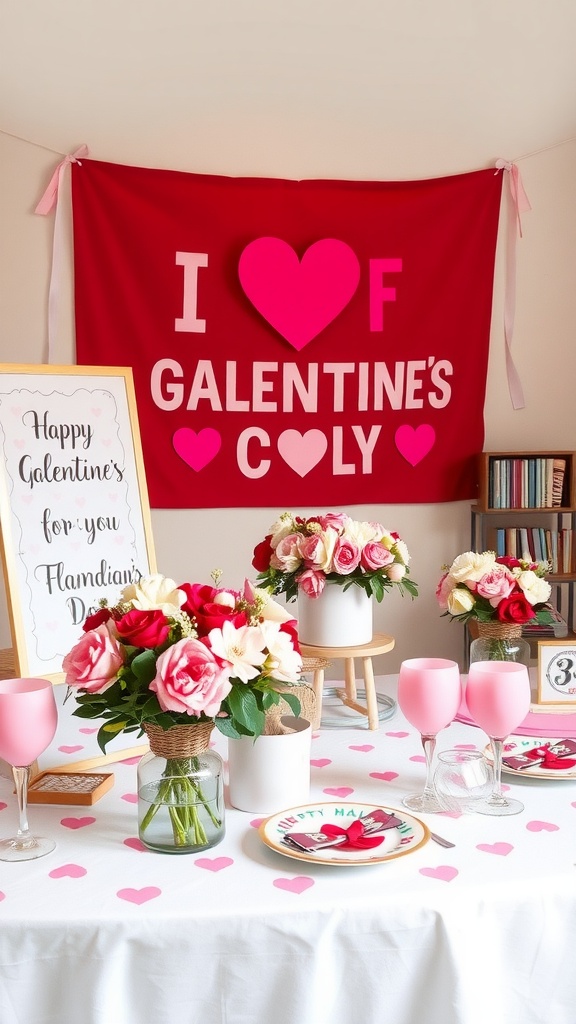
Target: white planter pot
[[271, 773], [338, 618]]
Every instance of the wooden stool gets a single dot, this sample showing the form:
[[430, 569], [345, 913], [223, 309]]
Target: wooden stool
[[379, 644]]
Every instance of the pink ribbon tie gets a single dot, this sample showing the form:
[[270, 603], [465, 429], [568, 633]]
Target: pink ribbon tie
[[518, 203], [50, 195]]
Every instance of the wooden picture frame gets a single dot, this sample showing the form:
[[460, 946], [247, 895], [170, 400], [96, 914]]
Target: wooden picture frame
[[74, 511], [556, 672]]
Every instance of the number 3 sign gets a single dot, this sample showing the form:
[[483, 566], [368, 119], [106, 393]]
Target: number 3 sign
[[557, 672]]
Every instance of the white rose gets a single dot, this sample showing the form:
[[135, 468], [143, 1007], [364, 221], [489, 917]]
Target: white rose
[[155, 592], [281, 528], [535, 589], [401, 551], [459, 601], [359, 533], [472, 566], [395, 572]]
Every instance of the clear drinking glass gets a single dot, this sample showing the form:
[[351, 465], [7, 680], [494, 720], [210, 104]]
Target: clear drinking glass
[[498, 699], [463, 779], [429, 695], [28, 719]]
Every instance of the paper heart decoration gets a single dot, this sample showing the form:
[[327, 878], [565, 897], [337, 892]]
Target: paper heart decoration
[[341, 791], [196, 449], [398, 735], [256, 822], [77, 822], [213, 863], [500, 849], [319, 762], [364, 747], [130, 798], [87, 732], [299, 298], [418, 758], [138, 896], [444, 872], [542, 826], [414, 444], [384, 776], [135, 844], [302, 451], [68, 871], [297, 885], [70, 750]]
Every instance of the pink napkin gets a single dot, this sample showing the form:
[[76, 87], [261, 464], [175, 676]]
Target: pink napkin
[[535, 724]]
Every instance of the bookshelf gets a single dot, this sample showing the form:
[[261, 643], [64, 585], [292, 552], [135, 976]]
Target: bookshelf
[[527, 506]]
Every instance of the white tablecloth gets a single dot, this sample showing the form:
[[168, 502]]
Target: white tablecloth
[[104, 932]]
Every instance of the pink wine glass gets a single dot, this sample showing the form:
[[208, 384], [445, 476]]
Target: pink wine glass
[[429, 695], [28, 720], [498, 699]]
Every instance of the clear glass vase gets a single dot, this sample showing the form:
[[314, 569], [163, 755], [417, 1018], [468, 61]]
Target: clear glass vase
[[180, 793], [500, 646]]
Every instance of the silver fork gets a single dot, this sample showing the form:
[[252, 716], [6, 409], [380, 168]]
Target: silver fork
[[441, 842]]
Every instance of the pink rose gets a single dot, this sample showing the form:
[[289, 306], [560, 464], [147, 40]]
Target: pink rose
[[444, 588], [94, 662], [337, 520], [374, 555], [346, 557], [312, 582], [143, 628], [287, 557], [495, 585], [190, 679]]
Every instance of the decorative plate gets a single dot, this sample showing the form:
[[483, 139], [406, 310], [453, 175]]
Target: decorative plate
[[515, 745], [407, 837]]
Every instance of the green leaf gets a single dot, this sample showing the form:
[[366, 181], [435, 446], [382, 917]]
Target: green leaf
[[226, 727], [144, 667], [293, 702]]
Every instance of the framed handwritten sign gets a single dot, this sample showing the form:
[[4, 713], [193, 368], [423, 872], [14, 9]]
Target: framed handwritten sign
[[557, 672], [74, 506]]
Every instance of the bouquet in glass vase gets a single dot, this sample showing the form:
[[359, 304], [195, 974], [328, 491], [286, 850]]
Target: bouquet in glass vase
[[500, 594], [174, 661]]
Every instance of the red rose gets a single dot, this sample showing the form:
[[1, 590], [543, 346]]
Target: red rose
[[93, 621], [143, 628], [509, 561], [291, 627], [262, 554], [204, 605], [515, 609]]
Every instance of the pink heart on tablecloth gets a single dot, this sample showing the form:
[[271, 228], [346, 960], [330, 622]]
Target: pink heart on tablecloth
[[419, 758], [87, 732], [364, 747], [256, 822], [130, 798], [338, 791], [68, 871], [385, 776], [444, 872], [2, 896], [500, 849], [135, 844], [298, 297], [541, 826], [320, 762], [573, 804], [3, 806], [213, 863], [77, 822], [298, 884], [465, 746], [138, 896], [70, 749], [449, 814], [398, 735]]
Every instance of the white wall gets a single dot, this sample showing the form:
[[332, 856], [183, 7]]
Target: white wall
[[314, 88]]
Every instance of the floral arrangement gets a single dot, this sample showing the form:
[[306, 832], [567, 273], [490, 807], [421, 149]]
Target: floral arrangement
[[173, 655], [305, 554], [491, 589]]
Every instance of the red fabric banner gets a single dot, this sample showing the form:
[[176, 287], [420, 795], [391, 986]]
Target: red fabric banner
[[294, 343]]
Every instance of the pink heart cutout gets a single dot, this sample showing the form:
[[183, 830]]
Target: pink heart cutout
[[385, 776], [68, 871], [414, 444], [135, 844], [398, 735], [70, 750], [196, 449], [298, 884], [302, 451], [419, 758], [2, 896], [320, 762], [364, 747], [500, 849], [542, 826], [444, 872], [338, 791], [256, 822], [3, 806], [299, 298], [130, 798], [77, 822], [138, 896], [213, 863], [87, 732]]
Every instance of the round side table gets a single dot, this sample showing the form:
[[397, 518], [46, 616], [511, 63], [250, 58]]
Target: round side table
[[379, 644]]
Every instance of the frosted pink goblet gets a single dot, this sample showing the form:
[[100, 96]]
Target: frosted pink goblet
[[429, 695], [498, 699], [28, 719]]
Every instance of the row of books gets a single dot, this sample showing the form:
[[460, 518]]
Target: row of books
[[538, 544], [544, 631], [526, 482]]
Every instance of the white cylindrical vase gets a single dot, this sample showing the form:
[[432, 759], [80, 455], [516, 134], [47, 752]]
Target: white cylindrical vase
[[271, 773], [337, 618]]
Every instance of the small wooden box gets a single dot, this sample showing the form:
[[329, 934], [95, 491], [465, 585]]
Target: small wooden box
[[80, 788]]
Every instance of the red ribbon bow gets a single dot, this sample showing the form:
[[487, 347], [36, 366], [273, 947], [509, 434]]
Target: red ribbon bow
[[546, 759], [356, 839]]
